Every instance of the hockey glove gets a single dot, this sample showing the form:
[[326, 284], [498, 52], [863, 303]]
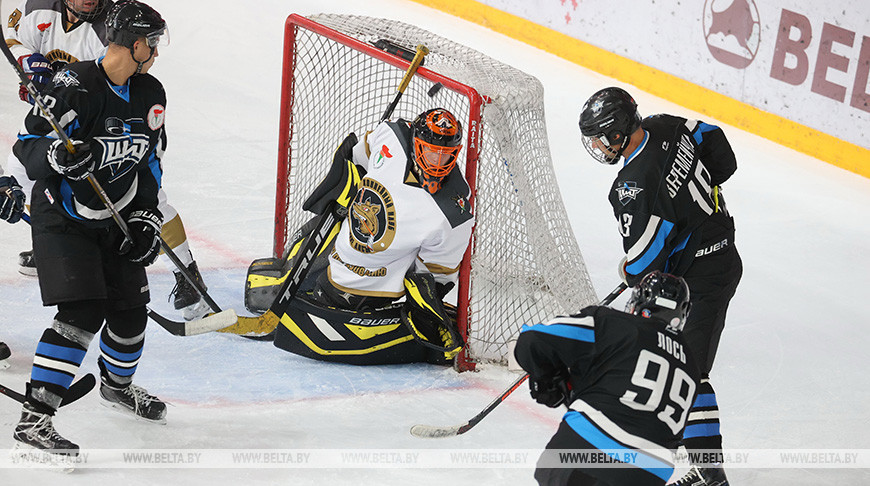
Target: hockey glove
[[340, 183], [75, 166], [11, 199], [38, 69], [144, 226], [551, 392]]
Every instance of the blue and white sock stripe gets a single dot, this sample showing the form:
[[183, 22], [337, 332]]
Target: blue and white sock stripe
[[703, 419], [577, 328], [606, 435], [121, 355], [56, 364]]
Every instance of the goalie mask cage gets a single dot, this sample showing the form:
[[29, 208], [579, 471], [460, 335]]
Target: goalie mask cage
[[523, 265]]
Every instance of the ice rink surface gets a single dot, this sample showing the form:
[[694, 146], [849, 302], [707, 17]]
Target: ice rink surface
[[791, 368]]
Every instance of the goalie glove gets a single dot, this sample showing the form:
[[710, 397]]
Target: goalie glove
[[430, 322], [340, 183]]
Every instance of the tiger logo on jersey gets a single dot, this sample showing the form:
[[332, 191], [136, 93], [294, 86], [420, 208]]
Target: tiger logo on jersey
[[372, 218]]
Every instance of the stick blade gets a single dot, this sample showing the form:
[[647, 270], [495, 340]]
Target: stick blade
[[435, 432], [211, 323]]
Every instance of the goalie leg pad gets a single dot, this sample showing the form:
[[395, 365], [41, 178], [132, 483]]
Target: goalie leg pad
[[267, 275], [360, 338]]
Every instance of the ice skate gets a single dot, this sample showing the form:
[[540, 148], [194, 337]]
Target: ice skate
[[134, 400], [4, 356], [703, 476], [185, 296], [26, 264], [37, 443]]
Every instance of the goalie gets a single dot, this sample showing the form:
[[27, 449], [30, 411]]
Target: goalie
[[407, 228]]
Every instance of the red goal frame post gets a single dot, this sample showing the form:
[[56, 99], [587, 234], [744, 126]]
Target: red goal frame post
[[472, 139]]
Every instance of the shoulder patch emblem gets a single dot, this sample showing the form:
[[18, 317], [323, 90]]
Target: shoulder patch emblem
[[384, 153], [627, 191], [372, 218], [156, 116], [66, 78], [461, 203]]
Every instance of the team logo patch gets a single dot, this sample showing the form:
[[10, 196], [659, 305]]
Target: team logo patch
[[384, 153], [627, 191], [156, 115], [66, 78], [461, 203], [121, 154], [372, 218], [117, 126]]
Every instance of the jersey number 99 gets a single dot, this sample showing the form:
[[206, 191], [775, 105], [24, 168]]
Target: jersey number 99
[[652, 374]]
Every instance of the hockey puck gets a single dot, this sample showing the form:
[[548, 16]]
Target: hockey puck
[[435, 89]]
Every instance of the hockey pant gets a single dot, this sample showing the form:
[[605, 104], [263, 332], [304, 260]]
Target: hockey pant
[[712, 283]]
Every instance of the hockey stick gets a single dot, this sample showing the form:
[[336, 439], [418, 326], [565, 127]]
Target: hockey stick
[[263, 325], [78, 389], [210, 323], [422, 51], [436, 432]]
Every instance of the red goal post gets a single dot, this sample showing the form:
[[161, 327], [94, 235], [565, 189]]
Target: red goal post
[[335, 80]]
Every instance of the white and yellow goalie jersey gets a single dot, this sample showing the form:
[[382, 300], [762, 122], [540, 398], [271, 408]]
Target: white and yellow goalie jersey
[[41, 26], [394, 225]]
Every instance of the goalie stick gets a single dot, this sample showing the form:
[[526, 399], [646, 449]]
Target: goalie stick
[[264, 325], [207, 324], [78, 389], [436, 432]]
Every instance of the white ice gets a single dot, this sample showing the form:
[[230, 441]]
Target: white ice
[[791, 368]]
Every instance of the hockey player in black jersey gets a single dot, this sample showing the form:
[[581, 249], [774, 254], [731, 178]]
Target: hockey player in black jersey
[[114, 113], [45, 35], [668, 201], [628, 383]]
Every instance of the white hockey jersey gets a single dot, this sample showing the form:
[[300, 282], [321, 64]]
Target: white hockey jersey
[[394, 224], [41, 26]]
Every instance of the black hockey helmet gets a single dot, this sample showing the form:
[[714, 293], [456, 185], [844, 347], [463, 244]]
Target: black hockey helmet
[[607, 120], [437, 138], [98, 8], [663, 296], [129, 20]]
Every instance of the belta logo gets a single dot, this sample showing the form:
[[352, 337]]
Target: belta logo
[[732, 31]]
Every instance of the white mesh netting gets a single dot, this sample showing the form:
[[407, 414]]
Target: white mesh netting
[[526, 265]]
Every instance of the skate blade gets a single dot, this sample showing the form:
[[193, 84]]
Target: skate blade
[[27, 456], [126, 411]]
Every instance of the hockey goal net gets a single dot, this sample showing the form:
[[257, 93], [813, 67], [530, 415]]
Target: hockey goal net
[[523, 265]]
